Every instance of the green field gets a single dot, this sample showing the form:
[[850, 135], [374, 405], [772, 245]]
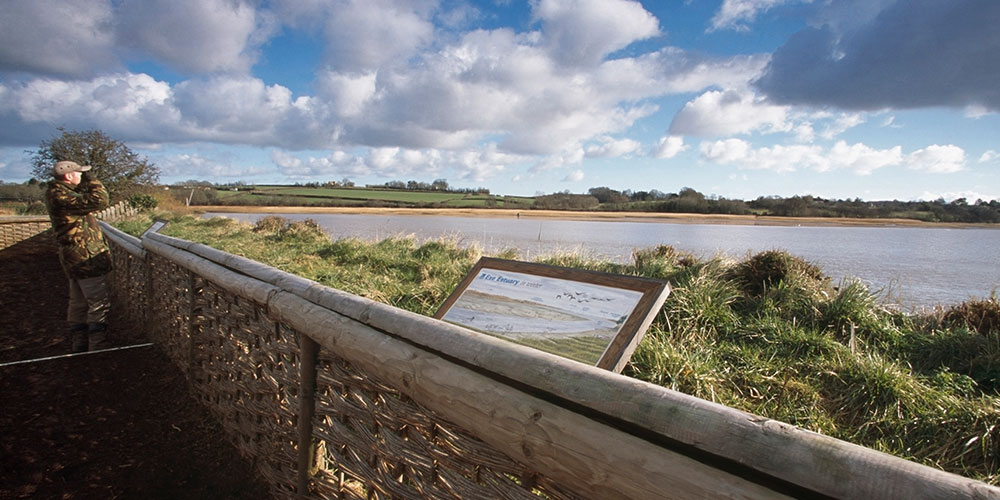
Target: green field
[[330, 196]]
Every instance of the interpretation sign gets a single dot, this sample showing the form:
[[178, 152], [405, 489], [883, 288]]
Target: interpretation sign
[[592, 317]]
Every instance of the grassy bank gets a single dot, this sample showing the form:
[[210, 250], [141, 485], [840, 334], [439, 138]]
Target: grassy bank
[[768, 334]]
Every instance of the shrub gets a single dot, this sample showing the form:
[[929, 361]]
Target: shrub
[[33, 208], [143, 201], [982, 316], [303, 229], [270, 224], [767, 269]]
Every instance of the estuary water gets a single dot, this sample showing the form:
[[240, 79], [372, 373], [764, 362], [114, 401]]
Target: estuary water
[[910, 267]]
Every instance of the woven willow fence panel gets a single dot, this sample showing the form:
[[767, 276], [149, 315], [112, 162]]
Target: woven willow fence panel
[[129, 284], [169, 303], [247, 373], [380, 444]]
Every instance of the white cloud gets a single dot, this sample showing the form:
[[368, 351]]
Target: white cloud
[[843, 123], [132, 106], [669, 147], [729, 112], [198, 166], [347, 94], [612, 148], [363, 35], [726, 151], [284, 160], [890, 122], [858, 158], [574, 176], [583, 32], [804, 132], [950, 196], [989, 156], [195, 36], [735, 14], [862, 159], [238, 109], [65, 38], [937, 159], [481, 164]]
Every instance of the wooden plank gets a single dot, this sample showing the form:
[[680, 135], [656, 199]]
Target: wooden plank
[[129, 243]]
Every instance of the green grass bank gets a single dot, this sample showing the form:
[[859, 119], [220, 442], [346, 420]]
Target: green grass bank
[[767, 334]]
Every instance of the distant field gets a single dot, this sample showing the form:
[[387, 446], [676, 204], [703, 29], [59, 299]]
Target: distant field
[[299, 195]]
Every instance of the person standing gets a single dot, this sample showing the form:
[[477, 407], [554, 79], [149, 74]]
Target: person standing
[[72, 198]]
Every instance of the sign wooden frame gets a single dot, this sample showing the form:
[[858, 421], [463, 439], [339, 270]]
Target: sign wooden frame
[[573, 313], [155, 227]]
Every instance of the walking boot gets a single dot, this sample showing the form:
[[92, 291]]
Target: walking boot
[[98, 337], [78, 335]]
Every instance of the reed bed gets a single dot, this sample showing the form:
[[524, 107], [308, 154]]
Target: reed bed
[[766, 333]]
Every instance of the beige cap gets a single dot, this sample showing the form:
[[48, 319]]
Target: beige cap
[[64, 167]]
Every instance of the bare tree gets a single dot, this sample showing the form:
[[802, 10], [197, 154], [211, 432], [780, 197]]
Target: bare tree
[[122, 171]]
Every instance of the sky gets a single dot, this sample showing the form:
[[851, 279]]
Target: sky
[[870, 99]]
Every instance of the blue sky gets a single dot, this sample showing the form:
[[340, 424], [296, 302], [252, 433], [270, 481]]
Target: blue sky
[[877, 99]]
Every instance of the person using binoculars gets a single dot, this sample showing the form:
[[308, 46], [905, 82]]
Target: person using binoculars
[[72, 197]]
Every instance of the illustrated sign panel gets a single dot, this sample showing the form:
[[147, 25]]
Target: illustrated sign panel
[[591, 317]]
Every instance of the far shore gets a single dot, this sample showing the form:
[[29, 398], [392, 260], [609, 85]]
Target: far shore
[[670, 218]]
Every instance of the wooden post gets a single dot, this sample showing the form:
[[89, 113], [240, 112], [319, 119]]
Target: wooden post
[[191, 326], [308, 354]]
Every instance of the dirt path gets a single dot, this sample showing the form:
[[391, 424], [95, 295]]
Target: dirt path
[[109, 425]]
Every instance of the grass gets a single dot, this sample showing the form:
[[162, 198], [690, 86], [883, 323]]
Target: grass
[[325, 196], [767, 334]]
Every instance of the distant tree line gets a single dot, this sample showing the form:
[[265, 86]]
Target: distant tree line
[[688, 200], [437, 185]]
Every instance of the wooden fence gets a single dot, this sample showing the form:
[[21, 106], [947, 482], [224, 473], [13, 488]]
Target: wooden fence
[[15, 229], [336, 396]]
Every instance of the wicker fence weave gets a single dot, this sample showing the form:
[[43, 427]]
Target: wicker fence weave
[[333, 396], [246, 371], [15, 229], [383, 445]]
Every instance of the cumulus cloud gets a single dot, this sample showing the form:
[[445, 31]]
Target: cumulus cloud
[[584, 32], [241, 110], [392, 162], [910, 54], [133, 106], [668, 147], [857, 158], [362, 35], [197, 166], [62, 38], [194, 36], [394, 86], [729, 112], [937, 159], [612, 148]]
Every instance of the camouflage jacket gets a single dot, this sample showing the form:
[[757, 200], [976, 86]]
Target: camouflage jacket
[[82, 250]]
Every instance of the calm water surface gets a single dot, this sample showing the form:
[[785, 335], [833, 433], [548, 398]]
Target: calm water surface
[[913, 267]]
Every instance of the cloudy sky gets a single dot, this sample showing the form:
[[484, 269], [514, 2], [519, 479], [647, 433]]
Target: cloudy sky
[[877, 99]]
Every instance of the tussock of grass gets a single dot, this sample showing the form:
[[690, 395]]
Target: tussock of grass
[[768, 334]]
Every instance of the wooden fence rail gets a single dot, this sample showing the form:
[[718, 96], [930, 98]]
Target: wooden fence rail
[[17, 228], [336, 396]]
